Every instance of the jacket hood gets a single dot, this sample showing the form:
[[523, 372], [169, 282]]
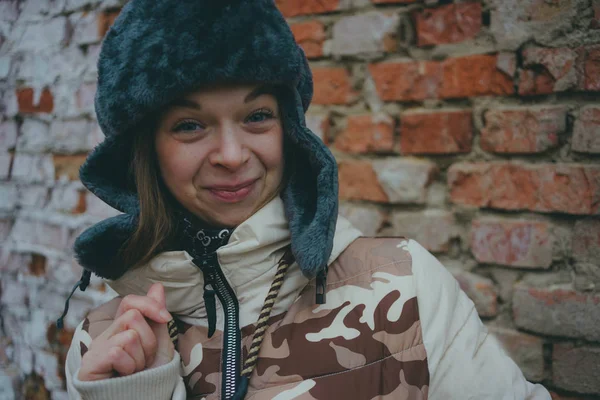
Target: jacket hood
[[159, 50]]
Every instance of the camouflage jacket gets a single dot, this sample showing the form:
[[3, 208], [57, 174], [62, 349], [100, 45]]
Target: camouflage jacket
[[395, 326]]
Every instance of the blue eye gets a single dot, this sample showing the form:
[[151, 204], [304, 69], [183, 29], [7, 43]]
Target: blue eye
[[188, 126], [260, 116]]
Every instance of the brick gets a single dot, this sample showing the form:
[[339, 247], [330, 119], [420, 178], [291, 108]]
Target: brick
[[367, 219], [516, 22], [9, 103], [526, 351], [480, 290], [568, 188], [8, 135], [560, 69], [13, 292], [84, 98], [85, 28], [292, 8], [332, 86], [595, 23], [32, 196], [68, 198], [433, 229], [586, 240], [394, 180], [68, 165], [512, 242], [349, 36], [406, 81], [105, 21], [27, 105], [72, 136], [37, 267], [591, 69], [34, 136], [450, 23], [319, 124], [446, 132], [557, 312], [48, 33], [8, 197], [476, 75], [576, 368], [523, 130], [33, 168], [586, 131], [367, 133], [549, 70], [36, 231], [310, 36], [358, 181]]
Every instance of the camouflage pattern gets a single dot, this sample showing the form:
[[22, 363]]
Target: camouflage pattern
[[364, 343]]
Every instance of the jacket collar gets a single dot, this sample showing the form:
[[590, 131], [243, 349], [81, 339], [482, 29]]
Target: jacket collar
[[248, 261]]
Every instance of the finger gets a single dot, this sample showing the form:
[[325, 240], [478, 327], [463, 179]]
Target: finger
[[133, 319], [129, 341], [157, 292], [121, 361], [149, 307]]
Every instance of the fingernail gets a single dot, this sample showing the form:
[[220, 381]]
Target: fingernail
[[165, 315]]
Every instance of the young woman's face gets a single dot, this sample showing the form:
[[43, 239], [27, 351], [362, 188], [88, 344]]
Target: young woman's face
[[220, 152]]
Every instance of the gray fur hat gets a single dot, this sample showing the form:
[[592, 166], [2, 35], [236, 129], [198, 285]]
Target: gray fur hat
[[159, 50]]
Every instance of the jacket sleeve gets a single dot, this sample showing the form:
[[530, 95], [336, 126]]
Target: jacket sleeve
[[161, 383], [465, 362]]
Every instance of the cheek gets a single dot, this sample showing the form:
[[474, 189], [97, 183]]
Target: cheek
[[272, 154], [177, 163]]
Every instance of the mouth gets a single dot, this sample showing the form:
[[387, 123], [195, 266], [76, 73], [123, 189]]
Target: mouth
[[232, 193]]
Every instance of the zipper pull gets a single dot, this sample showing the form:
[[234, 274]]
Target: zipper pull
[[321, 287], [211, 309], [209, 294]]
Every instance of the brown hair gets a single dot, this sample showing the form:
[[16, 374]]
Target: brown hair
[[157, 223]]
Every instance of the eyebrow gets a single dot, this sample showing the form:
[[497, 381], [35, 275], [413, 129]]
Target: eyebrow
[[259, 91]]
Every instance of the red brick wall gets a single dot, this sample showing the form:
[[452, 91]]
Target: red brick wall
[[474, 127], [471, 126]]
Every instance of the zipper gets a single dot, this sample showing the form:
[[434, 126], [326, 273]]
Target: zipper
[[215, 283]]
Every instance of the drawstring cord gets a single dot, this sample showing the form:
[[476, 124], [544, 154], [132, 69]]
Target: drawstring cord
[[262, 324], [81, 284]]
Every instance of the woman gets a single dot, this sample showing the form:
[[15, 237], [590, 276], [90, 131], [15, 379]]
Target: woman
[[236, 277]]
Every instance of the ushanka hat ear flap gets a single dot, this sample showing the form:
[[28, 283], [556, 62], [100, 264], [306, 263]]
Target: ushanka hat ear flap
[[159, 50], [311, 194]]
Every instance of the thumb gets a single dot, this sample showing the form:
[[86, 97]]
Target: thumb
[[157, 293]]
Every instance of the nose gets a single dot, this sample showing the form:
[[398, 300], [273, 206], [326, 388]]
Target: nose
[[231, 152]]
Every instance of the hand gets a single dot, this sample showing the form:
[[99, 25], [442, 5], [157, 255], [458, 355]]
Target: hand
[[137, 339]]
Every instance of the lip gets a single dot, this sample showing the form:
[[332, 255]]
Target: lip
[[232, 193]]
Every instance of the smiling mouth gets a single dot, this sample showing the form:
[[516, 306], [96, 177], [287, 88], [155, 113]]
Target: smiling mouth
[[232, 194]]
